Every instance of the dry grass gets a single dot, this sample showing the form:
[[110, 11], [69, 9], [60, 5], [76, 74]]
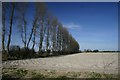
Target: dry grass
[[22, 73]]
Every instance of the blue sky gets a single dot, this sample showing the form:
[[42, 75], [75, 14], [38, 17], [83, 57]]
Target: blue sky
[[94, 25]]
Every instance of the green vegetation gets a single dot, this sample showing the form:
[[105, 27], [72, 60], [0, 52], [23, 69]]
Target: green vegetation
[[21, 73], [94, 75], [14, 73]]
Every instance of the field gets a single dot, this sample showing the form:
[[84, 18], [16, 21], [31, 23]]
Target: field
[[81, 65]]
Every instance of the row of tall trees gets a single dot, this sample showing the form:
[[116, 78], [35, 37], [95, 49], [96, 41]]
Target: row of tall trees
[[43, 30]]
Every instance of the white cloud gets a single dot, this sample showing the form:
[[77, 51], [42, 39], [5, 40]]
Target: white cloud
[[71, 26]]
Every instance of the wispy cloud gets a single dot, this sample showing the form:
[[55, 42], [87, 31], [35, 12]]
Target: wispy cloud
[[72, 26]]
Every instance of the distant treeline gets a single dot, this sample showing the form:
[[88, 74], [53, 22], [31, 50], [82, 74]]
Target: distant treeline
[[41, 29], [109, 51], [89, 50]]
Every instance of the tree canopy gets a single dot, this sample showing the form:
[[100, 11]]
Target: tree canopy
[[45, 31]]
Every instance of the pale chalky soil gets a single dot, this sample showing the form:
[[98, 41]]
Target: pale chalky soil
[[82, 62]]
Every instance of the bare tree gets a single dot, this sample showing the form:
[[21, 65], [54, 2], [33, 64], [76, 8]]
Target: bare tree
[[54, 27], [3, 26], [59, 36], [32, 30], [42, 12], [34, 34], [48, 32], [11, 24], [35, 25], [53, 36], [22, 22], [49, 19]]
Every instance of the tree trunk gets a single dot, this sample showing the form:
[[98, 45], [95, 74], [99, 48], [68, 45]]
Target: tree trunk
[[25, 33], [3, 29], [32, 30], [10, 31], [41, 37], [33, 41], [47, 42]]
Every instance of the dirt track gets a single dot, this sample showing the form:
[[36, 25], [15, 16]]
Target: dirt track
[[82, 62]]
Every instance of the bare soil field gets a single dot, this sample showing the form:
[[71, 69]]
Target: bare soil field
[[81, 62]]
